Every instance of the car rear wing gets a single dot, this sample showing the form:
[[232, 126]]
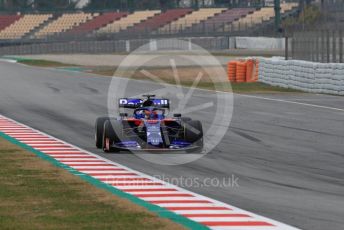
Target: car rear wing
[[134, 103]]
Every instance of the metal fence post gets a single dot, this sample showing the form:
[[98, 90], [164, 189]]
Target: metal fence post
[[334, 41], [303, 48], [316, 47], [308, 48], [341, 46], [286, 40], [311, 47], [293, 47], [322, 46], [327, 46]]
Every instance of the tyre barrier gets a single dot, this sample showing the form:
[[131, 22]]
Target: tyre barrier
[[243, 70], [240, 73], [302, 75], [231, 70], [252, 70]]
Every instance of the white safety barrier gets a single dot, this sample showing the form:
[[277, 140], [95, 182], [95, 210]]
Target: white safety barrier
[[302, 75]]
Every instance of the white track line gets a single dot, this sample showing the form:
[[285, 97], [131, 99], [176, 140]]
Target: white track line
[[271, 99], [106, 171], [215, 219], [242, 228], [292, 102]]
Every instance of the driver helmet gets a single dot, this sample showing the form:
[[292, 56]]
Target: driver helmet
[[150, 114]]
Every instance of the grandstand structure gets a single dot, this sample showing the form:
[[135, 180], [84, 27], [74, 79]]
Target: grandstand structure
[[130, 20], [64, 23], [7, 20], [214, 24], [24, 25], [172, 22], [191, 19], [99, 21], [259, 16]]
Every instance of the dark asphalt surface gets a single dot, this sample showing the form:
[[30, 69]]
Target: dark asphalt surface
[[289, 158]]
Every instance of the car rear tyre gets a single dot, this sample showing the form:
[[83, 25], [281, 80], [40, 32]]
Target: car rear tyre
[[193, 133], [185, 119]]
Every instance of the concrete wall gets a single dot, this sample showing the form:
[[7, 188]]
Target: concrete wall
[[209, 43], [262, 45], [302, 75], [259, 43]]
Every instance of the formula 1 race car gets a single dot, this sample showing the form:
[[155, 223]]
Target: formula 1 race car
[[148, 128]]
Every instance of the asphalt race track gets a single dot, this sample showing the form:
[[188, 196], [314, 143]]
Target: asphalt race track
[[288, 153]]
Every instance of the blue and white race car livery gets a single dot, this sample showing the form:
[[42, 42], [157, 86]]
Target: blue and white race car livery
[[148, 128]]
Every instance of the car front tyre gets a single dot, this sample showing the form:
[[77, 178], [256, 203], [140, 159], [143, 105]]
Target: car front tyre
[[111, 133], [99, 129]]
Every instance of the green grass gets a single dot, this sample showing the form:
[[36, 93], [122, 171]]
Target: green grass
[[43, 63], [37, 195]]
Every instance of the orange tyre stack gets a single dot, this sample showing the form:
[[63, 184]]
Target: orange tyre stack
[[243, 70], [251, 71], [231, 70]]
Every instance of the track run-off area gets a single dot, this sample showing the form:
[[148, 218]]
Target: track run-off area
[[285, 149]]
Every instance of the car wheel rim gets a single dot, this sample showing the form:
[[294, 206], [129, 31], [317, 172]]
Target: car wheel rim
[[107, 144]]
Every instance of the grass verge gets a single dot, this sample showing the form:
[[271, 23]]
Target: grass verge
[[187, 76], [36, 195], [43, 63]]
